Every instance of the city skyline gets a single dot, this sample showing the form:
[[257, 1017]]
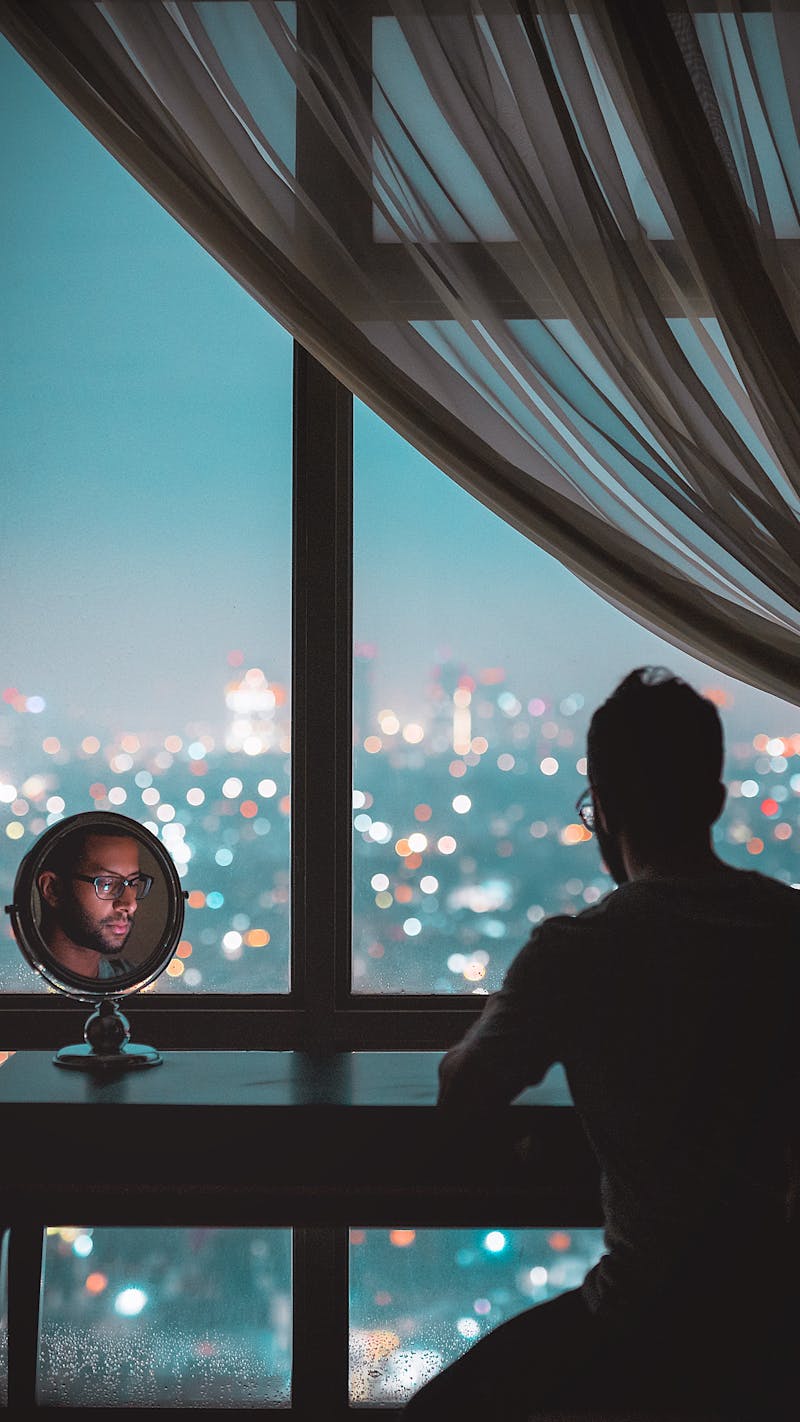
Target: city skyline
[[464, 824]]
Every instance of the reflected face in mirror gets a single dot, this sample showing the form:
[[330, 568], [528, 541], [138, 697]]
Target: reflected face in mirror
[[90, 892]]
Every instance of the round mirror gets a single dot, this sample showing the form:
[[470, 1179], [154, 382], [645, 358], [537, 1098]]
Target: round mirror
[[98, 911]]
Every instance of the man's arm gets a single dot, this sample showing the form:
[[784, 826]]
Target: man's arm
[[519, 1034]]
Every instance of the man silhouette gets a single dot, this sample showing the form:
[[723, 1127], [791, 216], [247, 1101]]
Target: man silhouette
[[673, 1004]]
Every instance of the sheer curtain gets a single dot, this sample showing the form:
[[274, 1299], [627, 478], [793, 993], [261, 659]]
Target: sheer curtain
[[555, 245]]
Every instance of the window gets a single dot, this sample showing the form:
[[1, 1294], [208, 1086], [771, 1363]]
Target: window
[[444, 721], [158, 1317], [419, 1298]]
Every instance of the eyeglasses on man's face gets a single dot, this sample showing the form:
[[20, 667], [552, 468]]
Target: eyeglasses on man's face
[[113, 886], [584, 806]]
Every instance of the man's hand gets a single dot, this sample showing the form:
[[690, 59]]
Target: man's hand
[[448, 1073], [468, 1081]]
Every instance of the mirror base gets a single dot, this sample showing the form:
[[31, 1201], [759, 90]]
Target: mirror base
[[82, 1057]]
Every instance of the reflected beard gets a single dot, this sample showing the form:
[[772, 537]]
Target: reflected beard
[[612, 856], [88, 933]]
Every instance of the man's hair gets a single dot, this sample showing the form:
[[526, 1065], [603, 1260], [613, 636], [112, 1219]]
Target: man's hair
[[654, 755], [69, 850]]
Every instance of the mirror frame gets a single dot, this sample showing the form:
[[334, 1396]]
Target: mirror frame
[[30, 941]]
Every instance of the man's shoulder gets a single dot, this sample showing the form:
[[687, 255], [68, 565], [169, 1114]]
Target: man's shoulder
[[563, 932], [737, 901], [631, 902], [591, 921], [782, 896], [743, 900]]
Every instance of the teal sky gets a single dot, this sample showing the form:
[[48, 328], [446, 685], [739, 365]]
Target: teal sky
[[146, 439], [146, 449]]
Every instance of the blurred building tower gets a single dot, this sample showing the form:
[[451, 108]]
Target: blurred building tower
[[450, 697], [252, 704]]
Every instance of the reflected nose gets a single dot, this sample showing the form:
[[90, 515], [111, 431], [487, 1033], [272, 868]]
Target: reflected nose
[[128, 898]]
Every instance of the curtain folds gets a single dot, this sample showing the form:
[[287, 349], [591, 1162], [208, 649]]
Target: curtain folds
[[554, 245]]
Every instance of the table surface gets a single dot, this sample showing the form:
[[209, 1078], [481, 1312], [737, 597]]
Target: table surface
[[249, 1079]]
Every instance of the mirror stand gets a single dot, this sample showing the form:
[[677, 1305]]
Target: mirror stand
[[107, 1044]]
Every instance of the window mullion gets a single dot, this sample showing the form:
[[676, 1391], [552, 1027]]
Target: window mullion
[[322, 692], [322, 596], [321, 1323]]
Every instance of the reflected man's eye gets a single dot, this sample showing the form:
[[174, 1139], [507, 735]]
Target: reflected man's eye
[[106, 886]]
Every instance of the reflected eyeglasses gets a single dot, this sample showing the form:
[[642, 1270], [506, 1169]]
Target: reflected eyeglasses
[[584, 806], [112, 886]]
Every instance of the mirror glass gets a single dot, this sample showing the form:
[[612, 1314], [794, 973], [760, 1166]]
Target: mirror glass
[[98, 907]]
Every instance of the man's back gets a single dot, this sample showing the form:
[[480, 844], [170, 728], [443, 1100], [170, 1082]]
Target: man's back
[[682, 1056], [673, 1005]]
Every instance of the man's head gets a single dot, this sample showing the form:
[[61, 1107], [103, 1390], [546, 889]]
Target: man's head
[[654, 762], [85, 897]]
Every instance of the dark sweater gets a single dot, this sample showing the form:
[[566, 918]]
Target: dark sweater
[[674, 1006]]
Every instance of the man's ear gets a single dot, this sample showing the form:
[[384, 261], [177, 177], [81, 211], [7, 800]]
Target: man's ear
[[50, 887], [605, 818]]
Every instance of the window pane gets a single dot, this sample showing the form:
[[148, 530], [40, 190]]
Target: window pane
[[419, 135], [147, 442], [166, 1317], [478, 661], [749, 79], [435, 166], [419, 1298], [743, 55]]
